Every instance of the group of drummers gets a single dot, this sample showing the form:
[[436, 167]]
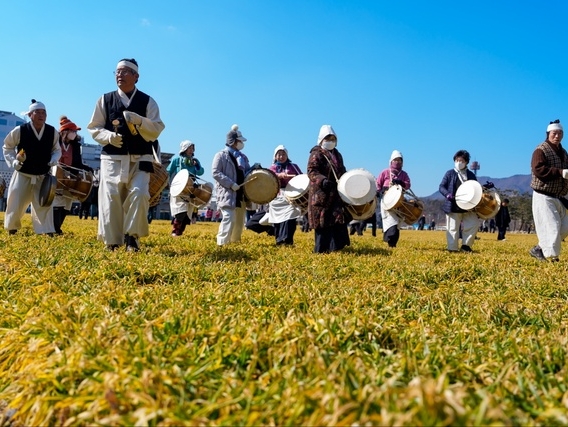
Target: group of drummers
[[50, 175], [331, 196], [328, 195]]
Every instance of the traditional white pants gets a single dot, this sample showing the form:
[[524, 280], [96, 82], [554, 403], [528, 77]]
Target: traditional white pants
[[24, 189], [123, 199], [470, 223], [231, 225], [550, 223]]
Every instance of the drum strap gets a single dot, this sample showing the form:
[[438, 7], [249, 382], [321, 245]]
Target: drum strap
[[332, 168]]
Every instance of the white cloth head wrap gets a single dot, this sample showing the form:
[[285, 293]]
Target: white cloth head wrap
[[279, 148], [325, 130], [184, 145], [554, 126], [395, 154], [128, 64]]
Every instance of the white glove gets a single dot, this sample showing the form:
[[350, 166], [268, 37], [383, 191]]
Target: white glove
[[133, 118], [115, 139], [235, 186], [565, 173], [17, 165], [51, 164]]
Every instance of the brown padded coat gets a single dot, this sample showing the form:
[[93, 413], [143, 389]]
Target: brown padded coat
[[325, 207]]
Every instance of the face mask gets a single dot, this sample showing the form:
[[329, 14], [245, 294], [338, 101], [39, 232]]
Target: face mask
[[71, 136], [240, 145], [328, 145], [459, 165]]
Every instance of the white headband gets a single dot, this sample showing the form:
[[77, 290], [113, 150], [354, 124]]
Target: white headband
[[554, 126], [127, 64]]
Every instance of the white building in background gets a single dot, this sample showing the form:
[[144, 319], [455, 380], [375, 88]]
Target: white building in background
[[8, 121]]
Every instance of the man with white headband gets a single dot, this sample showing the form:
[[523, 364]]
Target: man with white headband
[[31, 150], [549, 167], [125, 122]]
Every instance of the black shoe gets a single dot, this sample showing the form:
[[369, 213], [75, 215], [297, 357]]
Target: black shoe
[[111, 248], [536, 252], [12, 232], [131, 244], [466, 248]]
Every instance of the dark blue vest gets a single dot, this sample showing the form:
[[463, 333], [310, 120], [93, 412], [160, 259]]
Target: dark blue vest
[[131, 144], [38, 152]]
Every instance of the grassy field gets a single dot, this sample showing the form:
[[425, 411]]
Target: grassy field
[[185, 333]]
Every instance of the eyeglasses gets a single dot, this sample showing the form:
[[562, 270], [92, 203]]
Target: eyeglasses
[[122, 72]]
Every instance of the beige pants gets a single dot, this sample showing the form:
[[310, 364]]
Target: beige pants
[[231, 226]]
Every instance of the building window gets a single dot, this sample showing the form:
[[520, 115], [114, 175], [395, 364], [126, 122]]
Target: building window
[[3, 122]]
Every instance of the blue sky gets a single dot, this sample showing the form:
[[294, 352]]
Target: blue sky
[[425, 78]]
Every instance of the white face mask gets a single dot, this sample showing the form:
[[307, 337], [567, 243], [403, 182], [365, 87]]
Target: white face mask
[[459, 165], [71, 136], [328, 145], [240, 145]]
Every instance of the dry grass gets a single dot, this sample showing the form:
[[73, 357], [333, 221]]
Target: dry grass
[[185, 333]]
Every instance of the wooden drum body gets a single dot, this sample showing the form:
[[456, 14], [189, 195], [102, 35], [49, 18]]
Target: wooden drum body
[[404, 203], [158, 182], [72, 183]]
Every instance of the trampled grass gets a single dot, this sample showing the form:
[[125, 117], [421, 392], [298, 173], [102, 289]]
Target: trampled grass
[[185, 333]]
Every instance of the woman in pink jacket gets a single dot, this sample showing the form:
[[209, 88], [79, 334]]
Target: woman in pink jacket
[[392, 175]]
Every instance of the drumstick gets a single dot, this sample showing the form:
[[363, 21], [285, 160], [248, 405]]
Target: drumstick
[[252, 178]]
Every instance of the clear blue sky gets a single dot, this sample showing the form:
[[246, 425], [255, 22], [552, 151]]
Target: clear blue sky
[[424, 77]]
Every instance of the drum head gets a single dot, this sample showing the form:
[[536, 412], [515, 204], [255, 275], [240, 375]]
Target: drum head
[[297, 186], [179, 182], [392, 196], [357, 187], [261, 186], [47, 190], [468, 195]]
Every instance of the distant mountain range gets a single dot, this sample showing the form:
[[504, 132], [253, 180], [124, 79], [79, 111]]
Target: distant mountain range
[[520, 183]]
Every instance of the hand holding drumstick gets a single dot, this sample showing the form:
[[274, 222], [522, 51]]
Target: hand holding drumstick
[[236, 186]]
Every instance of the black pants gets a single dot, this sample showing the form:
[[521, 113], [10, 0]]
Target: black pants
[[391, 236], [330, 239], [501, 233], [284, 232]]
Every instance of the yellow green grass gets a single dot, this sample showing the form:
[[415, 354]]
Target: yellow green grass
[[185, 333]]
